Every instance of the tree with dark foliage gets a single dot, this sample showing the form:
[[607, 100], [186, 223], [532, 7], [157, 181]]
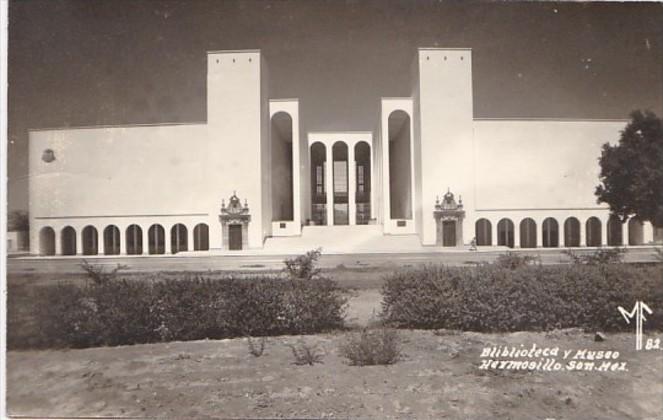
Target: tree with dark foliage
[[632, 171]]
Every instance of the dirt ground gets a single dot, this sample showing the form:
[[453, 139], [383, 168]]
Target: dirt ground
[[438, 377]]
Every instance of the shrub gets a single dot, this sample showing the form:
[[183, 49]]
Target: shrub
[[120, 311], [380, 346], [492, 298], [599, 257], [303, 266], [113, 313], [109, 310], [309, 307], [512, 260], [306, 354]]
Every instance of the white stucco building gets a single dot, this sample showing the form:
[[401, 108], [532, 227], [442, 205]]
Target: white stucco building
[[248, 174]]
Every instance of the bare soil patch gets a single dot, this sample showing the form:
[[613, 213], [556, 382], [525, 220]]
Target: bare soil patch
[[438, 377]]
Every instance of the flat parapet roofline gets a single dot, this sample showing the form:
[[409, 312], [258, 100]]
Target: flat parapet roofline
[[233, 51], [284, 100], [442, 49], [340, 132], [534, 119], [106, 126]]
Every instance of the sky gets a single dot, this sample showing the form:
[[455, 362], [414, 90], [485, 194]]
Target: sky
[[103, 62]]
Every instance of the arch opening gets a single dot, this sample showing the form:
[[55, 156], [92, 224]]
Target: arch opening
[[340, 184], [550, 231], [528, 233], [282, 167], [90, 240], [178, 238], [593, 229], [156, 240], [134, 239], [68, 241], [636, 234], [47, 241], [318, 164], [658, 235], [615, 231], [505, 233], [201, 237], [400, 168], [112, 240], [483, 232], [571, 232], [363, 182]]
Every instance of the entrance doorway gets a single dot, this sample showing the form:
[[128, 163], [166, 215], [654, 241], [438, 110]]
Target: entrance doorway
[[234, 237], [449, 217], [448, 233]]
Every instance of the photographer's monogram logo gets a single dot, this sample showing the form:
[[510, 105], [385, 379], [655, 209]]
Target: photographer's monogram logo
[[639, 313]]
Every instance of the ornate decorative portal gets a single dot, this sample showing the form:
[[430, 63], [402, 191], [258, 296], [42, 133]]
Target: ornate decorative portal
[[235, 220], [449, 217]]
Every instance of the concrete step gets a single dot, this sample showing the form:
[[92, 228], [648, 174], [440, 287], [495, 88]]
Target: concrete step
[[344, 239]]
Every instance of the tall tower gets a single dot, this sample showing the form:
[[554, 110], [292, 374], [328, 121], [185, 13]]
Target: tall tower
[[443, 130], [238, 146]]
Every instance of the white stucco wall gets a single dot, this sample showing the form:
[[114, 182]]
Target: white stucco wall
[[113, 175], [98, 171], [548, 164], [167, 173]]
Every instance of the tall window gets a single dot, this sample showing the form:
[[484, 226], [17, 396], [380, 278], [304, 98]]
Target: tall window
[[320, 179], [341, 176], [360, 179]]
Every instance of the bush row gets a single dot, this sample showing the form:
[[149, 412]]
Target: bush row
[[496, 298], [118, 311]]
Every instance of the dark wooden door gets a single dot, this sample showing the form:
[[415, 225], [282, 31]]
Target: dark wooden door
[[448, 233], [235, 237]]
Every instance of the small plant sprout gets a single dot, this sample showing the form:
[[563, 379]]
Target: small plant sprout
[[304, 267], [306, 354], [99, 274], [256, 348]]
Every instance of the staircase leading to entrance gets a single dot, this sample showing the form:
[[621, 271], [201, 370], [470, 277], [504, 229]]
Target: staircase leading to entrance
[[344, 239]]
